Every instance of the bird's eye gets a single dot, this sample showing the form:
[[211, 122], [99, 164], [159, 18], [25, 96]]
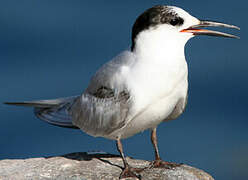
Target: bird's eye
[[176, 21]]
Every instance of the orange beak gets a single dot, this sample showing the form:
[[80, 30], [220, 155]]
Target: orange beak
[[193, 29]]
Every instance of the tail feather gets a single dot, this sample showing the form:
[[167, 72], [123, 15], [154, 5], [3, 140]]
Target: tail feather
[[42, 103], [55, 111]]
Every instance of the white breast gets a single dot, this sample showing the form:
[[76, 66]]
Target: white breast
[[157, 80], [156, 112], [156, 90]]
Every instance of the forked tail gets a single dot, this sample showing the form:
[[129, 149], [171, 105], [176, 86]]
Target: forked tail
[[55, 111]]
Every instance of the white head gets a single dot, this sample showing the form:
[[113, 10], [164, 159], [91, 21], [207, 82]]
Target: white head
[[163, 28]]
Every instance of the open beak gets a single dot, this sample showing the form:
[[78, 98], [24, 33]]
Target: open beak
[[196, 31]]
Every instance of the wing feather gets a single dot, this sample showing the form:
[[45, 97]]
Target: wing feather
[[104, 106], [100, 116]]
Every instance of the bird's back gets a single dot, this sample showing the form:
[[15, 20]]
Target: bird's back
[[104, 106]]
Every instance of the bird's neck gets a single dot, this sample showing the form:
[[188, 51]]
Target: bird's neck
[[159, 47]]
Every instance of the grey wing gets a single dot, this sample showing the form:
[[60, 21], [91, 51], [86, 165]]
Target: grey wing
[[110, 74], [101, 114], [104, 106]]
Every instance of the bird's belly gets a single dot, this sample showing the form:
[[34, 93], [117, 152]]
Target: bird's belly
[[155, 113]]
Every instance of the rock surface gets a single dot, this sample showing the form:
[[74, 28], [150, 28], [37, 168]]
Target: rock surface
[[85, 166]]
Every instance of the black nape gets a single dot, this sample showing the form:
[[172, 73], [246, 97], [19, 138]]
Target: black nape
[[152, 17]]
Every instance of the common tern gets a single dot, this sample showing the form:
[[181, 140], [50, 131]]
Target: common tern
[[139, 88]]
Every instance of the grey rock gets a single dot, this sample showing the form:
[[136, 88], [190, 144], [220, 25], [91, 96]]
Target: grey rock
[[88, 166]]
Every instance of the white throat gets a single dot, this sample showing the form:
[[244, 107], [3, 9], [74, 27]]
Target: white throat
[[161, 43], [160, 65]]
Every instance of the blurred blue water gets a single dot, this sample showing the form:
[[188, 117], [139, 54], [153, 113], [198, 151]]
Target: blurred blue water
[[50, 49]]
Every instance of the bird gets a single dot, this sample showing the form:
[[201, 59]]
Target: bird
[[139, 88]]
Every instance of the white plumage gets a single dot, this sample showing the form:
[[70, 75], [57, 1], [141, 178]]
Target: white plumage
[[139, 88]]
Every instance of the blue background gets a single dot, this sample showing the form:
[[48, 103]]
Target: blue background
[[50, 49]]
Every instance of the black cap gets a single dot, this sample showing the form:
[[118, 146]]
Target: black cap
[[155, 16]]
